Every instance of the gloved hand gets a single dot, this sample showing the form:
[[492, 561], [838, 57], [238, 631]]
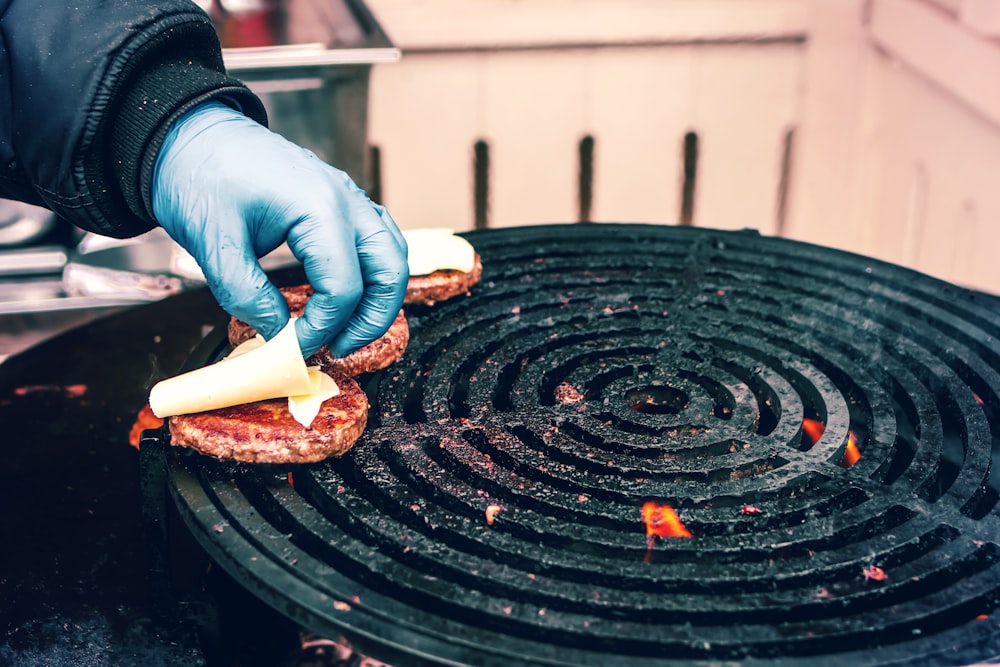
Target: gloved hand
[[229, 191]]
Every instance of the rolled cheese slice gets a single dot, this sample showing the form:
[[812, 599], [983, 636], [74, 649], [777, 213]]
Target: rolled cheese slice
[[437, 249], [274, 369]]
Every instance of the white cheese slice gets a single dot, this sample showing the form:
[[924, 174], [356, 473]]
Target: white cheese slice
[[304, 408], [436, 249], [246, 346], [274, 369]]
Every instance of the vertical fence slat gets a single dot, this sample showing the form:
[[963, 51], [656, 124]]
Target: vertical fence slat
[[638, 108], [689, 160], [424, 115], [534, 113], [585, 186]]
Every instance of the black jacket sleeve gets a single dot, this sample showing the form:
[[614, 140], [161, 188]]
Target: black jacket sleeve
[[88, 90]]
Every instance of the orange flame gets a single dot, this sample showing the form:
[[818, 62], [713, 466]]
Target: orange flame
[[491, 513], [851, 452], [144, 420], [663, 521], [813, 430]]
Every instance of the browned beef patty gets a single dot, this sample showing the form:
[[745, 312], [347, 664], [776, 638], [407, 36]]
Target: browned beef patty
[[442, 285], [376, 355], [265, 432]]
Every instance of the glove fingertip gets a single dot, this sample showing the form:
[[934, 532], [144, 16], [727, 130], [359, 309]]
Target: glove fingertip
[[343, 345], [271, 327], [265, 309]]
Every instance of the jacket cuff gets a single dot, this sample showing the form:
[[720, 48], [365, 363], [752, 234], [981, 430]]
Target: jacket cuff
[[167, 75], [151, 106]]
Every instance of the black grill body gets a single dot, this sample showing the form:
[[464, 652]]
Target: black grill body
[[491, 514]]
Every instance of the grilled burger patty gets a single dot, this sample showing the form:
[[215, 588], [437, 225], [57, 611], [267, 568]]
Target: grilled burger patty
[[376, 355], [442, 285], [265, 432]]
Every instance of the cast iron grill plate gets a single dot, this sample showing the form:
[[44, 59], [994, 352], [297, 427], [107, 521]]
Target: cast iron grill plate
[[598, 367]]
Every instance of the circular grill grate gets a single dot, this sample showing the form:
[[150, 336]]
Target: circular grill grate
[[600, 367]]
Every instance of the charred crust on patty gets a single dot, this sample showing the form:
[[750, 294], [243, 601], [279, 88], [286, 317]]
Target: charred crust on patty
[[377, 355], [265, 432], [442, 285]]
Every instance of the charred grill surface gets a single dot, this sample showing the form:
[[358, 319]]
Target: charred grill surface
[[492, 512]]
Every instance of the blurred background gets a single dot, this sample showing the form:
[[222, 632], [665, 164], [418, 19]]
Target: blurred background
[[867, 125]]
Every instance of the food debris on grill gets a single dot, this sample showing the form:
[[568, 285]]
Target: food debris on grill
[[567, 393], [317, 651], [491, 513]]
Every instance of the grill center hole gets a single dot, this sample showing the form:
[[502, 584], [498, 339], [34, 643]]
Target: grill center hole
[[657, 400]]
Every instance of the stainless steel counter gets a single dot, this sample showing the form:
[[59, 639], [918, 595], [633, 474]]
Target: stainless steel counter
[[48, 289], [57, 289]]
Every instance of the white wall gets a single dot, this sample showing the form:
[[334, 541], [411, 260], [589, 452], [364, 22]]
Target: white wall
[[894, 105]]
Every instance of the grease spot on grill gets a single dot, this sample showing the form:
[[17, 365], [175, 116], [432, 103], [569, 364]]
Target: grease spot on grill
[[657, 400]]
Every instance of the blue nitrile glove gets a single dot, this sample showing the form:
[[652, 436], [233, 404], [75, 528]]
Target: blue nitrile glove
[[229, 191]]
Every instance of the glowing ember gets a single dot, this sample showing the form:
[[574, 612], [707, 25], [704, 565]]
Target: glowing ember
[[326, 651], [812, 429], [750, 510], [662, 521], [144, 420], [851, 453], [874, 573], [491, 513], [69, 390]]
